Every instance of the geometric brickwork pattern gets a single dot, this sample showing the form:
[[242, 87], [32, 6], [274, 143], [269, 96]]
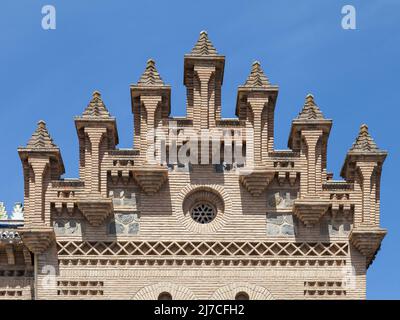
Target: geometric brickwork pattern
[[201, 248]]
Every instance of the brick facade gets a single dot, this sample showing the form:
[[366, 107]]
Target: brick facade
[[132, 227]]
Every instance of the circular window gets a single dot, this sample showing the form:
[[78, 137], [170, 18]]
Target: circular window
[[203, 213], [203, 208]]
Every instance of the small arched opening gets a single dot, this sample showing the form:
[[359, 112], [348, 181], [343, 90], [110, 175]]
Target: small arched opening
[[242, 296], [164, 296]]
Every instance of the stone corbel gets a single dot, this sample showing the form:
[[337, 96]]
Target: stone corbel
[[37, 239], [96, 209], [367, 239], [150, 179], [310, 210], [256, 180]]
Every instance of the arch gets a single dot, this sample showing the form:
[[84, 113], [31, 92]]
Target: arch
[[152, 292], [230, 291], [164, 296], [242, 295]]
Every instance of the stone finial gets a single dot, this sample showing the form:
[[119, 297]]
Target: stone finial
[[96, 107], [257, 77], [203, 46], [310, 110], [41, 138], [150, 76], [364, 141], [3, 212]]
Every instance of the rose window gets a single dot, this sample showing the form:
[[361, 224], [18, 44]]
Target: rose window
[[203, 213]]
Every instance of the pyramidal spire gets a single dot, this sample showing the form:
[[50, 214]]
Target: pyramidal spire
[[96, 107], [310, 110], [41, 138], [364, 141], [150, 76], [257, 77], [203, 46]]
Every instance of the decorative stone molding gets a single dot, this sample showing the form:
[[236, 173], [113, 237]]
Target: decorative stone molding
[[96, 210], [153, 291], [37, 239], [254, 292], [367, 239], [310, 211], [192, 194]]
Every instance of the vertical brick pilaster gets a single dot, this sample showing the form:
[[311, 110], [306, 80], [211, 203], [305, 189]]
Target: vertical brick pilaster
[[150, 103], [366, 170], [36, 213], [257, 104], [314, 169], [95, 136], [204, 75]]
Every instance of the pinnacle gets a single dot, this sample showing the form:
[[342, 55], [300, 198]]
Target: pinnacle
[[364, 141], [203, 46], [41, 137], [96, 107], [96, 94], [310, 110], [150, 76], [257, 77], [363, 129], [310, 99]]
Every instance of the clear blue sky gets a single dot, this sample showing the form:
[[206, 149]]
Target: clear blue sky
[[104, 45]]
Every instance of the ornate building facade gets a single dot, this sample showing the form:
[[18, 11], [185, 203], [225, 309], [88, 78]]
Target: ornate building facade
[[238, 220]]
